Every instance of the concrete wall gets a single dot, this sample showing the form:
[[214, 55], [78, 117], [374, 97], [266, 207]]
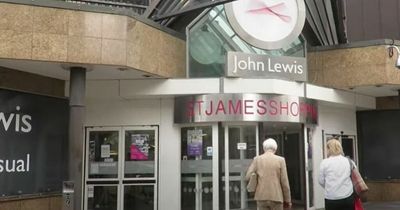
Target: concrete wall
[[390, 102], [66, 36], [18, 80], [383, 191], [352, 67], [49, 203]]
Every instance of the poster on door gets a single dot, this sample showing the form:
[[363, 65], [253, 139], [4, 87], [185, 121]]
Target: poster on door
[[139, 148], [195, 142]]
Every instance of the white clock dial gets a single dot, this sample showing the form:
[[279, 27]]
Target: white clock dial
[[268, 24]]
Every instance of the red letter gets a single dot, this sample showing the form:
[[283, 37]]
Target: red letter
[[262, 109], [297, 108], [209, 112], [236, 109], [245, 106], [273, 105], [190, 109], [220, 107], [284, 107]]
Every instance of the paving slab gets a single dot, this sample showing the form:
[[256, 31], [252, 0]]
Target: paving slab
[[382, 205]]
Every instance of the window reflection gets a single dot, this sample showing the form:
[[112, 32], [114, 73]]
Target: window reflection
[[103, 154], [102, 197]]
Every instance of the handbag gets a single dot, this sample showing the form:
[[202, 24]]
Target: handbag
[[358, 182], [358, 203], [252, 185]]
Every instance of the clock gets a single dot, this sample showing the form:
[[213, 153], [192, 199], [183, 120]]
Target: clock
[[267, 24]]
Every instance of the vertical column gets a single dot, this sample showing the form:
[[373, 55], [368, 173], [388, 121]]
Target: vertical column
[[226, 174], [76, 131], [242, 155], [216, 168]]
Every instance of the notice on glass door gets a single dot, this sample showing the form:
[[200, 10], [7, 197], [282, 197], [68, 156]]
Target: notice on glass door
[[105, 151], [139, 148], [194, 142], [241, 146], [90, 191]]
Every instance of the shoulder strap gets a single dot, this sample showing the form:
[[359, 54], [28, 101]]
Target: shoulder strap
[[351, 165]]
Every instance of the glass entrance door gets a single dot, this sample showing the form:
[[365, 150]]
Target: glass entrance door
[[121, 172], [291, 146], [199, 167], [215, 159], [241, 146]]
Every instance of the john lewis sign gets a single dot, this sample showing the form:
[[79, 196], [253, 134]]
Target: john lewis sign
[[245, 107], [33, 143], [253, 65]]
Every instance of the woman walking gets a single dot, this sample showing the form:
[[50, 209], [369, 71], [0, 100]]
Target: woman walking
[[334, 177]]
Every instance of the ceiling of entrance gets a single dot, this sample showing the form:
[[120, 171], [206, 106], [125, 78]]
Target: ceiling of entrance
[[377, 91], [276, 127], [59, 70]]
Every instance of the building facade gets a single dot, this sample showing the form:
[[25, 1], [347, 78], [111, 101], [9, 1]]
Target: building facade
[[163, 127]]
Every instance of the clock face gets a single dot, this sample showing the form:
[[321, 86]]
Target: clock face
[[267, 24]]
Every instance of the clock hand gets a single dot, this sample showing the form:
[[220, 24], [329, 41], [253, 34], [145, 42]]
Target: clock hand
[[271, 10]]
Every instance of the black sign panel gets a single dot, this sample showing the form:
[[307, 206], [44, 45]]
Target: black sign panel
[[33, 143]]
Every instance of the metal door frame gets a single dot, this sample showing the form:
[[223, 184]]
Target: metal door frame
[[328, 136], [120, 181], [215, 167]]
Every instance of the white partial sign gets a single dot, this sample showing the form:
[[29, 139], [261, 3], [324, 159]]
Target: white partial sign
[[242, 146], [267, 24], [105, 151]]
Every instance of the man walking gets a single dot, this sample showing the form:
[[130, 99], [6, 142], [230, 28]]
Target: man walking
[[273, 190]]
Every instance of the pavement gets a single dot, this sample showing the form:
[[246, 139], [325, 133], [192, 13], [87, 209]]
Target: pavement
[[382, 205]]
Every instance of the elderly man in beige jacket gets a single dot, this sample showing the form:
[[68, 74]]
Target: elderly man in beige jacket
[[273, 190]]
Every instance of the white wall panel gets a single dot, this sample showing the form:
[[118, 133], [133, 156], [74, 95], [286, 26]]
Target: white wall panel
[[158, 87], [272, 86], [332, 120], [101, 112], [340, 97], [169, 159]]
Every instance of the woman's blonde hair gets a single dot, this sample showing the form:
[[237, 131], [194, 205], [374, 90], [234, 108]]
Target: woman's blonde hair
[[334, 148]]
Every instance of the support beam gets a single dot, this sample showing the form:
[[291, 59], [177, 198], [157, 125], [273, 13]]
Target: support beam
[[149, 11], [76, 132], [192, 8]]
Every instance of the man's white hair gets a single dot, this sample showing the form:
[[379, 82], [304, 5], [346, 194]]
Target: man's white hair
[[270, 144]]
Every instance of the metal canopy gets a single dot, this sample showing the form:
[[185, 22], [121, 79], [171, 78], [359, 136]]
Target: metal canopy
[[323, 23], [320, 16]]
